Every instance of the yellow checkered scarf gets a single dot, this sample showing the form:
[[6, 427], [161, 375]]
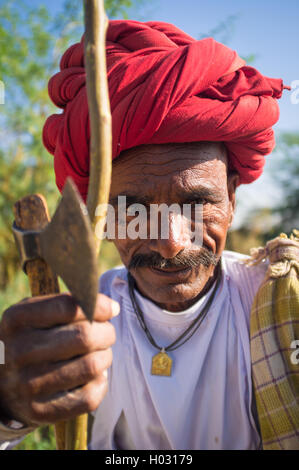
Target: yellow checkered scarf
[[274, 340]]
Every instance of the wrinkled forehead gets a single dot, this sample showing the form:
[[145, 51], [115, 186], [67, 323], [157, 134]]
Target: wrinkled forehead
[[169, 163]]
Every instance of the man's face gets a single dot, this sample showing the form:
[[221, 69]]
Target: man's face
[[193, 173]]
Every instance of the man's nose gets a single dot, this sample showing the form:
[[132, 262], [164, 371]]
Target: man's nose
[[172, 241]]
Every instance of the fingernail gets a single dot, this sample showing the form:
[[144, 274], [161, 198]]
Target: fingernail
[[115, 309], [105, 373]]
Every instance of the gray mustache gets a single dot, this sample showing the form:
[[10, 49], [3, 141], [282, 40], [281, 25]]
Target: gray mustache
[[183, 260]]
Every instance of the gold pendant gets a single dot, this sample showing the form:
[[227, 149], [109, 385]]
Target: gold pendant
[[161, 364]]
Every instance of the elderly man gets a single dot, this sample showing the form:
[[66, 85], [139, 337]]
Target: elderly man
[[190, 123]]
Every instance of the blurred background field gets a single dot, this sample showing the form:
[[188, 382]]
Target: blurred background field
[[33, 37]]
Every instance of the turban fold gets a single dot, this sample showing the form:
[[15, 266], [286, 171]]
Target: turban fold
[[164, 87]]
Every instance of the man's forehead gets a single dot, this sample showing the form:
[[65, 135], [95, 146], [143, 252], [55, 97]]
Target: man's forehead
[[204, 150], [171, 154], [182, 169]]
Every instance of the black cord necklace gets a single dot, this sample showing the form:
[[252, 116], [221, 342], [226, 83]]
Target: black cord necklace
[[162, 362]]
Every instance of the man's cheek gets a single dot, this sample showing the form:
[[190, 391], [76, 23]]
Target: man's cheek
[[215, 226], [217, 216], [126, 249], [123, 250]]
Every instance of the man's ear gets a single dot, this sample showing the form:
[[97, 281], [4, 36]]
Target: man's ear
[[232, 183]]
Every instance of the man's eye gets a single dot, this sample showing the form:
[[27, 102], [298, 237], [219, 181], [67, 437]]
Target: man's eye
[[201, 201]]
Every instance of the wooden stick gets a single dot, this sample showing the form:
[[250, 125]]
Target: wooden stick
[[76, 433], [96, 24]]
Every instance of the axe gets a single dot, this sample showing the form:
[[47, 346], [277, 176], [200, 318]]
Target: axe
[[67, 246]]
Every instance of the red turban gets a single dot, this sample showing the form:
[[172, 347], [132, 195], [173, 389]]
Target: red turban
[[164, 87]]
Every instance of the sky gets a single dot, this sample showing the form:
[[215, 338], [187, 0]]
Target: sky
[[266, 28]]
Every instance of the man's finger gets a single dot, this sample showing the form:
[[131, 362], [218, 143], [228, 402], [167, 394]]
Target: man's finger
[[52, 310], [62, 343], [49, 379], [67, 405]]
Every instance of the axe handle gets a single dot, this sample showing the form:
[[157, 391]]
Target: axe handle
[[31, 213]]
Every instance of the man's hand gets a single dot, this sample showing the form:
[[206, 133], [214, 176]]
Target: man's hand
[[55, 360]]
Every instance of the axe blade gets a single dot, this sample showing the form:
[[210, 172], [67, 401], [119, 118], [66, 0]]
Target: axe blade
[[67, 245]]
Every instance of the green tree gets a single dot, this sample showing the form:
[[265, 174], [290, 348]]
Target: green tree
[[31, 43], [286, 177], [266, 223]]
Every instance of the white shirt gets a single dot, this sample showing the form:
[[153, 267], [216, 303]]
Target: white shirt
[[207, 402]]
